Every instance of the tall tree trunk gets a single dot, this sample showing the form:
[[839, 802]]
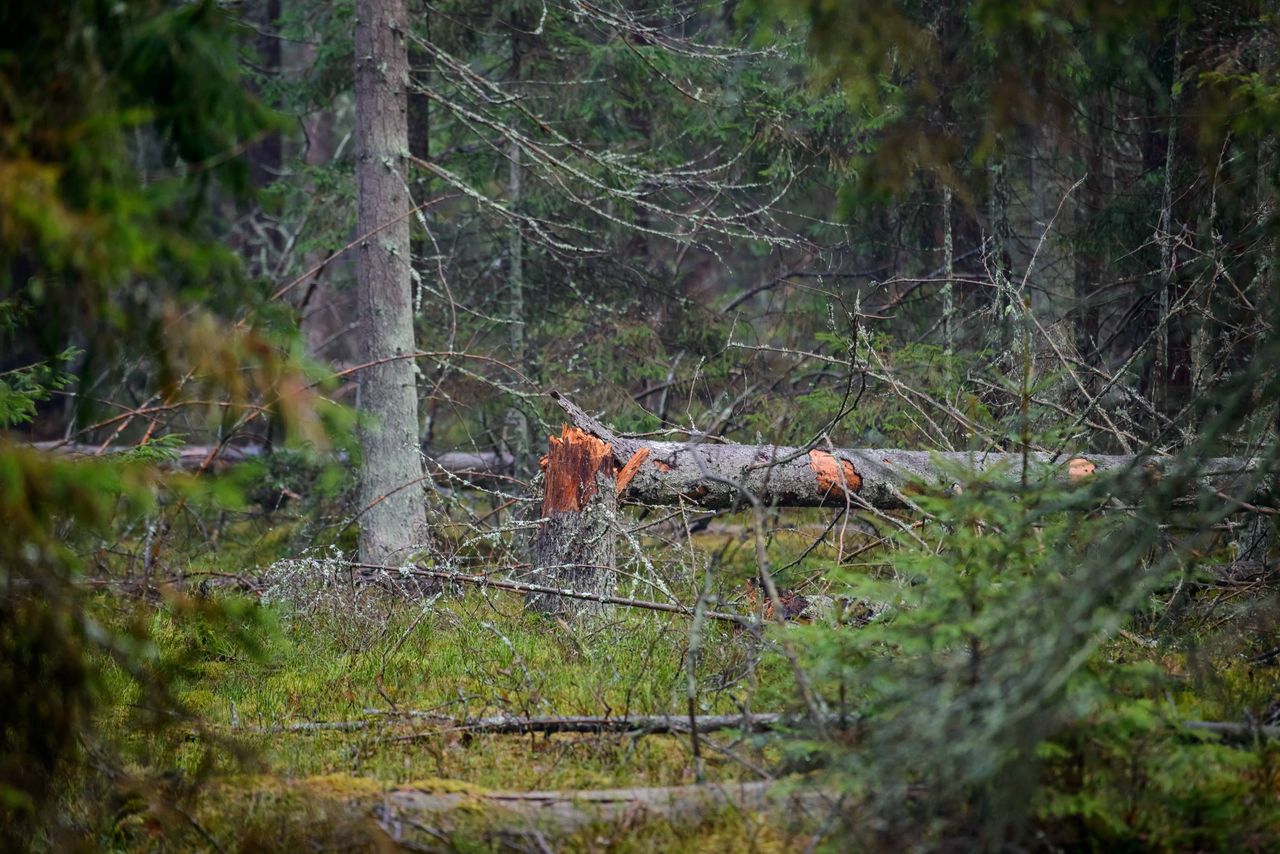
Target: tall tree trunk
[[1088, 269], [518, 438], [949, 271], [1161, 366], [393, 515], [1003, 331], [266, 156]]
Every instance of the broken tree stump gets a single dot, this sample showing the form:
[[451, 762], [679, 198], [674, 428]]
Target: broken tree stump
[[575, 544]]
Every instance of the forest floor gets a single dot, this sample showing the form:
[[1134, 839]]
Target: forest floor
[[327, 699], [323, 708]]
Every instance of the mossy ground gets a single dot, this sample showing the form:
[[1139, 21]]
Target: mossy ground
[[236, 777], [461, 655]]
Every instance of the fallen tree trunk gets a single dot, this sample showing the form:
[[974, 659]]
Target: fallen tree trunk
[[713, 476], [471, 466], [561, 813], [589, 469], [551, 724], [627, 725]]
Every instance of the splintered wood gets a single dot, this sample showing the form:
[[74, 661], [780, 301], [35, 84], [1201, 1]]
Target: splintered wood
[[571, 466], [575, 543], [629, 470]]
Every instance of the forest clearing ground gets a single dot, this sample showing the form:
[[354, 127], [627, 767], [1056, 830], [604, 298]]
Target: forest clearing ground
[[300, 734], [460, 656]]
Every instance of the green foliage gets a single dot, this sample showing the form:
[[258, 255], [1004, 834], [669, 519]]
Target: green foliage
[[117, 123], [988, 701], [22, 388]]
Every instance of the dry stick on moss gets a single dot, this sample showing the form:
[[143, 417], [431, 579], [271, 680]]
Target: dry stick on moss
[[520, 587], [649, 724]]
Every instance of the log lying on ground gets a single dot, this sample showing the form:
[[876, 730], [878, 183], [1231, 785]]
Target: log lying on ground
[[559, 813], [713, 476], [627, 724], [589, 469], [473, 466]]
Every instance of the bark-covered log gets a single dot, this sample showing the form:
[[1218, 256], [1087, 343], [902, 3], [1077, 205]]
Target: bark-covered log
[[787, 804], [712, 475], [631, 724], [469, 466], [551, 724]]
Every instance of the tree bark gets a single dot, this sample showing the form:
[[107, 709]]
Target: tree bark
[[394, 516], [565, 812], [471, 466], [721, 475], [517, 437]]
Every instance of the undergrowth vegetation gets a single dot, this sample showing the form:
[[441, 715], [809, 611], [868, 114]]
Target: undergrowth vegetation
[[971, 689]]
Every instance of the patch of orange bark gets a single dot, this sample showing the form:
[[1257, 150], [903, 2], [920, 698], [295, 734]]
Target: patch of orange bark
[[1079, 467], [629, 470], [835, 477]]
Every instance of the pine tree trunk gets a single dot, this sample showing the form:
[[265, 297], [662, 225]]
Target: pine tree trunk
[[1001, 254], [1088, 269], [393, 515], [949, 272]]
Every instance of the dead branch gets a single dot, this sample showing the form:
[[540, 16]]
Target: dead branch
[[474, 465], [541, 589]]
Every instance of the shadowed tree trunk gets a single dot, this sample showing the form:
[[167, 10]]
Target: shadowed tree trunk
[[394, 516], [266, 156]]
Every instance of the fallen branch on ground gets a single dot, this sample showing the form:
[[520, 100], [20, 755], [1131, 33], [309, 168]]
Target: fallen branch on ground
[[519, 587]]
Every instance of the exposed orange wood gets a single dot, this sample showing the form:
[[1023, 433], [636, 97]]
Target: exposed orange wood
[[835, 477], [661, 466], [1079, 467], [573, 461], [629, 470]]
